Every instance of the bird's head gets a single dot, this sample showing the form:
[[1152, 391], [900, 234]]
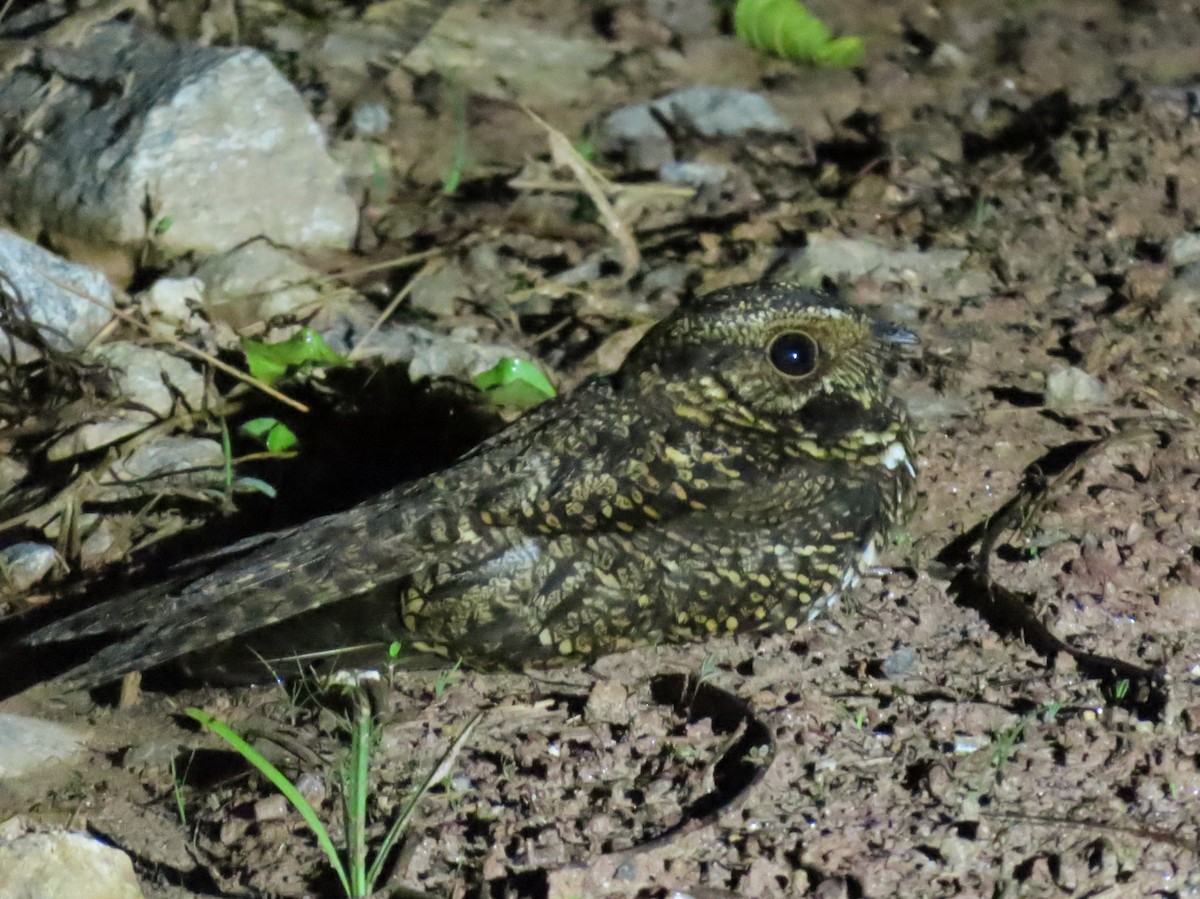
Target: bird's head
[[776, 359]]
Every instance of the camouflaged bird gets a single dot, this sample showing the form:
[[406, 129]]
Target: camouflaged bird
[[732, 476]]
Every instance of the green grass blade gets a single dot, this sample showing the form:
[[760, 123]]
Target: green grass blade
[[355, 792], [281, 783]]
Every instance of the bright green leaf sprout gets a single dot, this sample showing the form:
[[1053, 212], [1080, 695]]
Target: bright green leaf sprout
[[515, 382], [271, 432], [268, 362], [787, 29]]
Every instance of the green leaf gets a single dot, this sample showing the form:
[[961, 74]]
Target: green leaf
[[841, 53], [280, 439], [271, 432], [248, 484], [787, 29], [268, 362], [515, 382], [258, 428]]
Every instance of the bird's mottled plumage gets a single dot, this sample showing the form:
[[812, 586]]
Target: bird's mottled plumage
[[726, 479]]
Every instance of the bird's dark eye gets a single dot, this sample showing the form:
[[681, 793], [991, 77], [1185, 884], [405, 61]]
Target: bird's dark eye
[[793, 353]]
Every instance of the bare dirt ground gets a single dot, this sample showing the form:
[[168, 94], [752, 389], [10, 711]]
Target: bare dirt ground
[[916, 743]]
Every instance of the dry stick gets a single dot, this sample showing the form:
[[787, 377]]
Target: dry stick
[[563, 153], [321, 280], [183, 347], [427, 269], [398, 262], [609, 187], [1003, 605]]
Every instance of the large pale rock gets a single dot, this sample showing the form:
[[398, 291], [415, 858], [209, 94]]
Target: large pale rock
[[256, 282], [62, 864], [67, 303], [213, 141]]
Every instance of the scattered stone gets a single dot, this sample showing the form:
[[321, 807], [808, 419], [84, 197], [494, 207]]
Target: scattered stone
[[60, 864], [271, 808], [949, 57], [502, 60], [12, 473], [633, 134], [255, 283], [1184, 249], [312, 787], [900, 663], [53, 294], [104, 543], [692, 174], [1072, 388], [966, 744], [96, 434], [371, 119], [25, 564], [152, 379], [438, 293], [608, 703], [170, 306], [851, 258], [431, 355], [686, 18], [30, 744], [200, 460], [252, 160]]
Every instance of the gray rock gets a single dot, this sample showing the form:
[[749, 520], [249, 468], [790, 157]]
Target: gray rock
[[687, 18], [256, 282], [30, 744], [717, 111], [12, 472], [502, 60], [217, 141], [1073, 388], [170, 303], [104, 543], [52, 293], [692, 174], [900, 663], [165, 456], [850, 258], [1184, 249], [429, 355], [60, 864], [26, 563], [96, 434], [438, 293], [152, 379], [371, 118], [634, 134]]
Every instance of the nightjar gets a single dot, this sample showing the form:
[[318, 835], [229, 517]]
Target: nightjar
[[733, 476]]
